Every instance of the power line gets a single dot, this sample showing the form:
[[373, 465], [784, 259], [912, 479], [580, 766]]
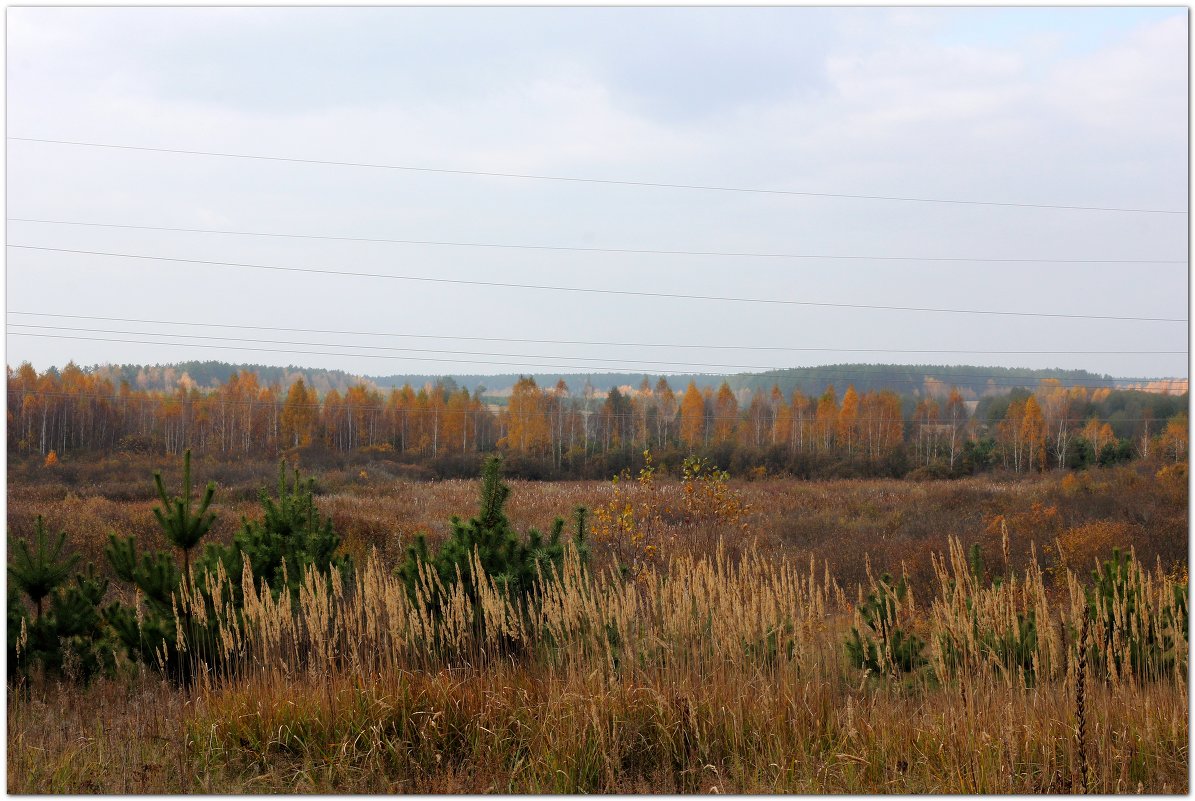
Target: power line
[[167, 398], [993, 380], [383, 347], [606, 344], [608, 182], [573, 249], [617, 361], [325, 353], [593, 290]]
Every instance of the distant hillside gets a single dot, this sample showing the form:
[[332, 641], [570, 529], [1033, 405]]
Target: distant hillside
[[207, 375], [974, 381], [501, 385]]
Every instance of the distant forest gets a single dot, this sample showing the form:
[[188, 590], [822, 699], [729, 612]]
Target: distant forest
[[972, 381], [209, 375], [794, 422]]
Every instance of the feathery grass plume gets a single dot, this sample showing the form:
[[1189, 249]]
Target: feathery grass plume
[[719, 667], [487, 560], [1080, 702], [986, 623], [879, 642], [290, 533], [1140, 620]]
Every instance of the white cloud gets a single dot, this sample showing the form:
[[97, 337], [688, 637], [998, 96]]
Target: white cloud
[[1136, 88], [882, 103]]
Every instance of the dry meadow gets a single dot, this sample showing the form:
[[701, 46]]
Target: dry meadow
[[702, 649]]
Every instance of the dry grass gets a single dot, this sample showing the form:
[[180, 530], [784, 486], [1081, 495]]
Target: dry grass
[[714, 669], [111, 737], [709, 674], [837, 521]]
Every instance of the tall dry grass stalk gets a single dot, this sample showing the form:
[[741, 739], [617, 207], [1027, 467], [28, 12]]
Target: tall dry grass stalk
[[1080, 703], [717, 672], [702, 673], [691, 614]]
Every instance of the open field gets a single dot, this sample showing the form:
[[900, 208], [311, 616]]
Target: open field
[[833, 521], [564, 400], [715, 662]]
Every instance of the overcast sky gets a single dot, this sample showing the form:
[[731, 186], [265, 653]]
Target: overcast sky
[[1061, 106]]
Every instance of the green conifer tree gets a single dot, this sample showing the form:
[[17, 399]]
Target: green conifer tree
[[67, 638], [513, 561], [38, 571], [154, 638], [182, 528], [290, 538], [884, 647]]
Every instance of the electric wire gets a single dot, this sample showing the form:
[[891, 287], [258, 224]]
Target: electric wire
[[391, 348], [576, 249], [604, 181], [991, 379], [617, 361], [595, 343], [328, 353], [599, 291]]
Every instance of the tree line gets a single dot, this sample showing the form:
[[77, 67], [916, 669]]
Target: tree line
[[877, 431]]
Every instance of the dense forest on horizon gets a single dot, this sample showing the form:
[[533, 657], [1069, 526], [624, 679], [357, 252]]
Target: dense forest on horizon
[[208, 375], [972, 380], [558, 431]]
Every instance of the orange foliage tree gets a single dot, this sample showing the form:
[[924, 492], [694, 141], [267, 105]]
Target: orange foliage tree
[[692, 417], [726, 410], [827, 418], [299, 414], [848, 420], [1034, 429], [526, 419]]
